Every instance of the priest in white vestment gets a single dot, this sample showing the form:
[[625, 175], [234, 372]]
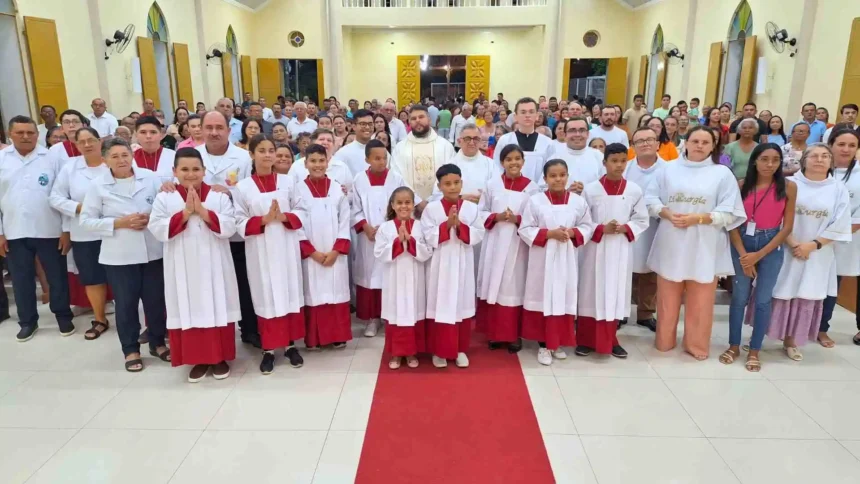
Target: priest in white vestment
[[417, 158], [584, 163]]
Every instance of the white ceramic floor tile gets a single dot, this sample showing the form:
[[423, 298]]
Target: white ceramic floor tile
[[853, 446], [284, 400], [23, 451], [549, 406], [818, 363], [353, 408], [338, 463], [568, 460], [60, 400], [594, 365], [832, 404], [329, 360], [678, 364], [111, 456], [756, 461], [11, 379], [625, 406], [366, 359], [744, 409], [230, 457], [657, 460], [36, 354], [157, 400]]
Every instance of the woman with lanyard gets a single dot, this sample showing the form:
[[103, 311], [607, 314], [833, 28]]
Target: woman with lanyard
[[116, 208], [67, 196], [698, 201], [844, 143], [757, 252]]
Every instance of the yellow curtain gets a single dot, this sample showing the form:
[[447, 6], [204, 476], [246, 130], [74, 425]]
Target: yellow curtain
[[616, 81], [148, 76], [477, 77], [715, 64], [227, 73], [269, 79], [247, 83], [46, 63], [565, 80], [643, 75], [183, 73], [745, 91], [320, 82]]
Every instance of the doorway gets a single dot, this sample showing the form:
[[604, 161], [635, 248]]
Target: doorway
[[443, 77], [301, 79], [587, 78], [165, 80]]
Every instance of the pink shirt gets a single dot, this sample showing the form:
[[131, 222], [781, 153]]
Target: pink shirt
[[764, 209], [188, 143]]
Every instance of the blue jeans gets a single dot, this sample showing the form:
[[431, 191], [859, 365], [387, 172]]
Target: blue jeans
[[767, 270], [830, 305]]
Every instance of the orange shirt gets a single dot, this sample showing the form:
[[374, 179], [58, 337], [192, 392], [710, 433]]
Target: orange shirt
[[667, 151]]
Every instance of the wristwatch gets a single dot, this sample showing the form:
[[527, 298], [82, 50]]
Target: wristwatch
[[817, 244]]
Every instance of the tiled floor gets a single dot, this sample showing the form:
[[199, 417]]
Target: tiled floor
[[70, 414]]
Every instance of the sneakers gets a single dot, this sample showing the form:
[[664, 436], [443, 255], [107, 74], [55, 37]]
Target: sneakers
[[267, 366], [462, 360], [559, 354], [221, 370], [67, 329], [544, 356], [582, 350], [619, 352], [439, 362], [296, 360], [27, 333], [197, 373], [372, 328], [649, 323], [339, 346]]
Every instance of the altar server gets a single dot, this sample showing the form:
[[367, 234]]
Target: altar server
[[698, 201], [504, 255], [537, 147], [452, 227], [195, 223], [266, 206], [554, 224], [337, 170], [324, 253], [151, 155], [71, 121], [369, 197], [401, 250], [618, 208]]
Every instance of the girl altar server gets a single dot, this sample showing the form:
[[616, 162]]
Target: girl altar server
[[698, 201], [553, 225], [502, 267], [808, 273], [618, 208], [401, 251], [452, 227], [325, 253], [202, 295], [369, 198], [265, 217]]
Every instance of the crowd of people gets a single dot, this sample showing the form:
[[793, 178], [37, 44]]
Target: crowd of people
[[542, 223]]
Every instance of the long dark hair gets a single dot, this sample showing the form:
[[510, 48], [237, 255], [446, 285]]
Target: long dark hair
[[781, 131], [838, 131], [662, 136], [387, 129], [389, 213], [507, 150], [255, 141], [751, 178], [244, 139]]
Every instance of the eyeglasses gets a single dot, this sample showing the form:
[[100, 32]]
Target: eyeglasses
[[577, 131], [471, 139], [364, 124], [646, 141], [71, 122], [820, 156]]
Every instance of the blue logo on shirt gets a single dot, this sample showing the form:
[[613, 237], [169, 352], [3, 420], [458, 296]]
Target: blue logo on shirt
[[149, 200], [43, 179]]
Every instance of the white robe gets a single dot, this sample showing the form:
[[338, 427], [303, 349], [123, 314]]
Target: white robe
[[823, 210], [370, 204], [534, 160], [164, 165], [353, 156], [605, 267], [325, 221], [199, 278], [848, 255], [404, 300], [552, 277], [477, 171], [336, 171], [451, 274], [642, 245], [274, 258], [701, 252], [584, 166], [419, 170], [504, 256]]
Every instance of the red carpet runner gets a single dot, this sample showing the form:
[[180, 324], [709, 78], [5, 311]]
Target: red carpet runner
[[474, 425]]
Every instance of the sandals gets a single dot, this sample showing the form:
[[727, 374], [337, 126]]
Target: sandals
[[753, 364], [164, 356], [394, 363], [98, 328], [728, 357], [826, 344], [130, 364], [412, 362], [793, 353]]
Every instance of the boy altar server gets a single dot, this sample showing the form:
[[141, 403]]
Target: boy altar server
[[618, 208]]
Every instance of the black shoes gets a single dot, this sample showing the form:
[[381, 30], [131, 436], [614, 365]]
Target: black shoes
[[494, 345], [339, 345], [252, 339], [619, 352], [650, 323], [582, 350], [296, 360], [27, 333], [267, 366], [515, 347], [67, 329], [4, 316]]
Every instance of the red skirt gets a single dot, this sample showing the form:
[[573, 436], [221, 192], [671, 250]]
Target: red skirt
[[327, 324], [278, 332], [597, 335], [368, 303], [202, 346], [504, 323], [446, 340], [78, 293], [406, 340], [555, 331]]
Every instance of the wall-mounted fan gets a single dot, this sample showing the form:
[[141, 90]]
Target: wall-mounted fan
[[120, 40], [779, 37], [215, 53], [673, 54]]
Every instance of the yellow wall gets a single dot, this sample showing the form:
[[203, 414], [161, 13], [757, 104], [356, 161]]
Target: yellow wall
[[515, 69], [217, 17], [827, 55], [671, 15], [279, 18], [76, 47]]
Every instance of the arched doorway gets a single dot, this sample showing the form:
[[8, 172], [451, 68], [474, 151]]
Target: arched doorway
[[740, 29], [233, 50], [655, 65], [156, 30]]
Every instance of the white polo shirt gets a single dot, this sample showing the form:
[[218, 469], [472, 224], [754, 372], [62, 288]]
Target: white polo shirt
[[106, 124], [295, 126], [25, 190]]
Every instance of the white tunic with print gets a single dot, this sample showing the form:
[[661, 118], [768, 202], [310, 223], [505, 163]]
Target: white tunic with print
[[848, 254]]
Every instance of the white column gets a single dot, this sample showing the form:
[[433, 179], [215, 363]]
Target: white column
[[554, 36], [201, 53], [333, 53], [98, 40], [688, 48], [801, 60]]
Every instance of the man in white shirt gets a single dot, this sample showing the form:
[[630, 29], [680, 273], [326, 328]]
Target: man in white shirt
[[301, 123], [30, 228], [459, 122], [49, 115], [353, 155], [268, 114], [849, 115], [432, 111], [397, 128], [278, 115], [607, 131], [225, 107], [101, 120], [477, 169]]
